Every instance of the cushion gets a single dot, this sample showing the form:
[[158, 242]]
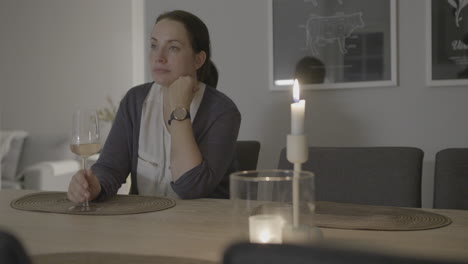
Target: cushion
[[11, 147]]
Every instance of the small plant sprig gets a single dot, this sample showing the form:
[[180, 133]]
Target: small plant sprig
[[458, 5]]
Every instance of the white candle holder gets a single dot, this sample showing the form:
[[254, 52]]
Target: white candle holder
[[297, 152], [262, 204]]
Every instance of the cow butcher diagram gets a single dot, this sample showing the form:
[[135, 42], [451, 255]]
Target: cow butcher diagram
[[322, 30]]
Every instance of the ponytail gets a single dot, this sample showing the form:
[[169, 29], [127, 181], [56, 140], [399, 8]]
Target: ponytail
[[208, 74]]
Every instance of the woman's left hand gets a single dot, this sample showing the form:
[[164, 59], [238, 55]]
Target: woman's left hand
[[181, 92]]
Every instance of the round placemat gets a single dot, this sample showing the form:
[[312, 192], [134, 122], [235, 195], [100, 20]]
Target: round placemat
[[114, 258], [368, 217], [57, 202]]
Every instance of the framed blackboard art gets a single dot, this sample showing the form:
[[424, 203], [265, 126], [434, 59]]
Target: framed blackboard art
[[330, 44], [447, 42]]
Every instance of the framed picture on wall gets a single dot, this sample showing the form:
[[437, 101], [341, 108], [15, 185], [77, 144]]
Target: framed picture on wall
[[447, 42], [330, 44]]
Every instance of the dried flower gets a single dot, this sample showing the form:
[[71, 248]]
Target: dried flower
[[108, 113]]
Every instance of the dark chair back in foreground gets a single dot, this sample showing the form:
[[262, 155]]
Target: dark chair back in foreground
[[389, 176], [451, 179], [11, 250], [247, 154], [245, 253]]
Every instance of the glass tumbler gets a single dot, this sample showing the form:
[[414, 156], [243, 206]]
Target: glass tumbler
[[263, 208]]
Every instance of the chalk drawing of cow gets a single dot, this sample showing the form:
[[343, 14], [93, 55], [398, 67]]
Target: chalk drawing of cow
[[320, 29]]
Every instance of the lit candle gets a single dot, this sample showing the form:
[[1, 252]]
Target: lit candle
[[297, 112], [296, 150], [266, 229]]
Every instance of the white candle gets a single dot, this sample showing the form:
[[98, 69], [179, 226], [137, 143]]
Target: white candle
[[297, 129], [266, 229], [297, 112]]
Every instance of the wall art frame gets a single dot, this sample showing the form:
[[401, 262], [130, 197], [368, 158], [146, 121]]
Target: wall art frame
[[447, 42], [353, 41]]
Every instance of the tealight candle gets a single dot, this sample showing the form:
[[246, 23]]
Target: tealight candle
[[266, 229]]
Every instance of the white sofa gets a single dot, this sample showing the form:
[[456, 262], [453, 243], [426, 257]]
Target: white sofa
[[46, 175], [56, 175], [53, 175], [11, 150], [50, 175]]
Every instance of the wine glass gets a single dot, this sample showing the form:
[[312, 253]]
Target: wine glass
[[84, 143]]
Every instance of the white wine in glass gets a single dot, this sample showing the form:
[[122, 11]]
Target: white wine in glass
[[85, 150], [85, 141]]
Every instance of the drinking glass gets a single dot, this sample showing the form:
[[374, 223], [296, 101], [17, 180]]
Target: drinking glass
[[84, 143], [263, 207]]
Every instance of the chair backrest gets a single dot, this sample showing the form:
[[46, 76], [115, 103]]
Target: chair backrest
[[11, 250], [389, 176], [247, 154], [451, 179], [245, 253]]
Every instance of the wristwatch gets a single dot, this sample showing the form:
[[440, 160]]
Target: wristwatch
[[179, 114]]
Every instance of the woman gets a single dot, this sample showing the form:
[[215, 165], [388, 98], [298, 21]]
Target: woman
[[153, 136]]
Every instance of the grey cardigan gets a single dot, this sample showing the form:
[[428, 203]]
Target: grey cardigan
[[215, 128]]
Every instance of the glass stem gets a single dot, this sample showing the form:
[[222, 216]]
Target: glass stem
[[83, 162]]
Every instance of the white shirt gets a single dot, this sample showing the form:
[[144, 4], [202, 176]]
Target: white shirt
[[154, 146]]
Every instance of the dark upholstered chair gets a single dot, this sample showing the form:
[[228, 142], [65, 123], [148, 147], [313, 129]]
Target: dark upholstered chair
[[11, 250], [245, 253], [389, 176], [247, 154], [451, 179]]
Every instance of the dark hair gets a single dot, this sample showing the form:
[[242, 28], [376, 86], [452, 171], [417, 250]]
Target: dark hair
[[200, 40], [310, 70]]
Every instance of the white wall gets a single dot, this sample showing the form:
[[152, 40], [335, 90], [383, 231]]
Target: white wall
[[59, 58], [61, 55], [3, 66]]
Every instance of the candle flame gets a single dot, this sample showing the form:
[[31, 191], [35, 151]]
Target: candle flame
[[296, 91]]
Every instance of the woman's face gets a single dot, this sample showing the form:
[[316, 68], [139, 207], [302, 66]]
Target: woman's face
[[171, 54]]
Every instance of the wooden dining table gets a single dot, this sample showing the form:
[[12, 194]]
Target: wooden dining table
[[201, 229]]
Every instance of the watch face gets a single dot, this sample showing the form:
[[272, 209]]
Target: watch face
[[180, 113]]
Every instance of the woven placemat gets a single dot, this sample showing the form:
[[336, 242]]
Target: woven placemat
[[57, 202], [114, 258], [368, 217]]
